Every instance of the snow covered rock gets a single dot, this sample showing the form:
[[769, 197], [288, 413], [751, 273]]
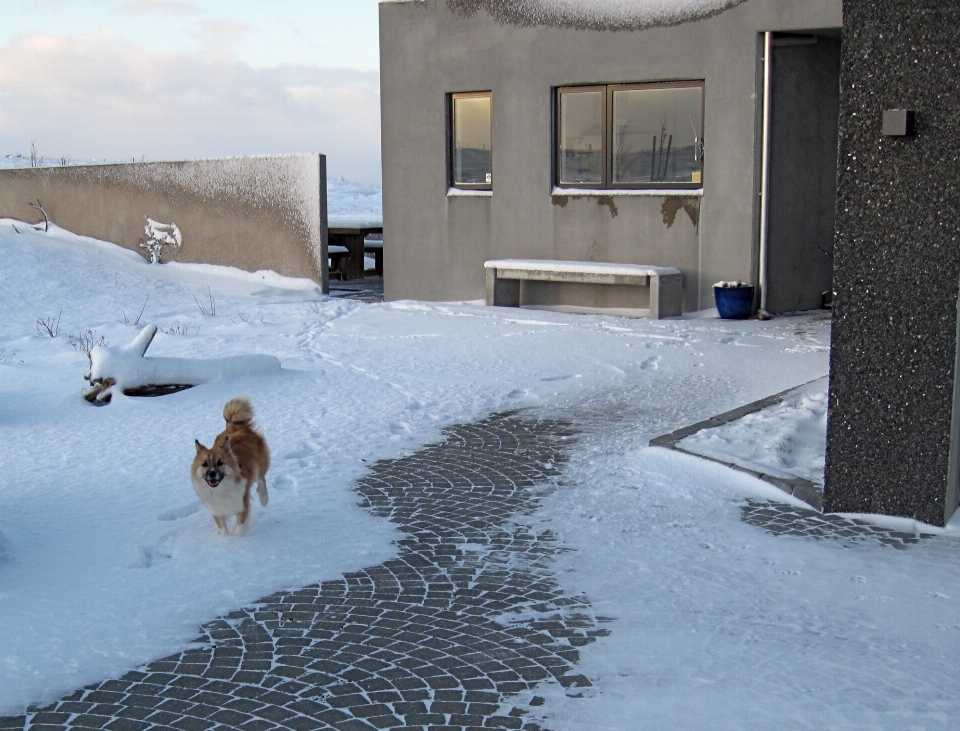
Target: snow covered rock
[[126, 369]]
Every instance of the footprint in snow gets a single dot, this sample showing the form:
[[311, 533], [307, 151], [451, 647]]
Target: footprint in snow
[[182, 512], [298, 453], [557, 378], [651, 364], [6, 550], [149, 556]]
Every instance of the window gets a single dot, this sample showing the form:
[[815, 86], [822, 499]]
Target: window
[[471, 141], [630, 136]]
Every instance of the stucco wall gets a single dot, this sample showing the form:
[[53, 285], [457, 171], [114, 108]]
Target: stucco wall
[[897, 265], [439, 243], [252, 213]]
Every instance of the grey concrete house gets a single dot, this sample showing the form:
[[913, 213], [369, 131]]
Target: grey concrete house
[[516, 129], [703, 139]]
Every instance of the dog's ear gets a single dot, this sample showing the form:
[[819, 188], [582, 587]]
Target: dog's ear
[[200, 447]]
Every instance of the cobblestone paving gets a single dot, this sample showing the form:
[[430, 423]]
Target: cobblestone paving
[[456, 632], [788, 520]]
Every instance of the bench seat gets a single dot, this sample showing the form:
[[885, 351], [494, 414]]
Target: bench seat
[[504, 278]]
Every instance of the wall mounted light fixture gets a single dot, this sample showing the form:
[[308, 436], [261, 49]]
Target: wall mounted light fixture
[[898, 123]]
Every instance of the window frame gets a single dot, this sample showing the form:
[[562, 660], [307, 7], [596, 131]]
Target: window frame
[[452, 139], [607, 112]]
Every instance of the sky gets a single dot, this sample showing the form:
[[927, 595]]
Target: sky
[[185, 79]]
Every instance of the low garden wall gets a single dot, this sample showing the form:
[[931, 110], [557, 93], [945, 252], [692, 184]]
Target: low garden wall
[[252, 213]]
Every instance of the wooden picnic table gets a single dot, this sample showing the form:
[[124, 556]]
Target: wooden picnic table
[[352, 237]]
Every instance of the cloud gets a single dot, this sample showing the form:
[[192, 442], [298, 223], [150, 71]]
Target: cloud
[[223, 36], [95, 95], [136, 8]]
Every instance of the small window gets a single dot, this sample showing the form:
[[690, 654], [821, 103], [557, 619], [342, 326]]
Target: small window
[[630, 136], [471, 140]]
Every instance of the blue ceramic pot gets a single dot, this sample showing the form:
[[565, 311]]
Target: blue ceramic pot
[[734, 303]]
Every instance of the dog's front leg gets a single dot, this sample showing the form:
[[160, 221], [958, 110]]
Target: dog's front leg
[[242, 523], [221, 525]]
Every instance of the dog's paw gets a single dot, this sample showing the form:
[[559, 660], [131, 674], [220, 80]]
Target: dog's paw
[[264, 497], [241, 528]]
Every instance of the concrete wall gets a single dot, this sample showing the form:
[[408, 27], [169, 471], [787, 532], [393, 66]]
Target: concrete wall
[[897, 265], [439, 242], [252, 213]]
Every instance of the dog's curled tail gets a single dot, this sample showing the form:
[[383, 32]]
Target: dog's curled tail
[[238, 413]]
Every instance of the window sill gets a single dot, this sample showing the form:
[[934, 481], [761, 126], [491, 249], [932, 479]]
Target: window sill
[[643, 192], [467, 192]]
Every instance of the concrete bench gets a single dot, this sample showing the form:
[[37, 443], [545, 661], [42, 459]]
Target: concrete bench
[[505, 277], [337, 255], [375, 247]]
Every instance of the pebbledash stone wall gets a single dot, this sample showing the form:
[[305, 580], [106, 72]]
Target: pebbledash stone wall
[[892, 431], [252, 212]]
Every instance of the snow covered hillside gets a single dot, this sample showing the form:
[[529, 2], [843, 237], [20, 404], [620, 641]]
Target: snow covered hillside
[[107, 559]]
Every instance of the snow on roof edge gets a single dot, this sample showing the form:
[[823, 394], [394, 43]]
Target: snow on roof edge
[[590, 14]]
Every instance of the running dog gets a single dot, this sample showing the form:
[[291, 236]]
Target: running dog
[[223, 474]]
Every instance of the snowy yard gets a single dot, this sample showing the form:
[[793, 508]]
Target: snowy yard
[[107, 559]]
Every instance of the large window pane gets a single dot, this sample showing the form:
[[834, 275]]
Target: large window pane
[[581, 137], [472, 143], [657, 135]]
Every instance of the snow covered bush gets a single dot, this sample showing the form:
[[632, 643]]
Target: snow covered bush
[[159, 234]]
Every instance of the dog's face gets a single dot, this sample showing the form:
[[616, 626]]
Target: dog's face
[[216, 464]]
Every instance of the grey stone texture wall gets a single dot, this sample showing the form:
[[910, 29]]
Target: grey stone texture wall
[[897, 264], [252, 212]]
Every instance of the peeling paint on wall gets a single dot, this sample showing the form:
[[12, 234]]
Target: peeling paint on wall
[[602, 200], [607, 200], [672, 205], [589, 16]]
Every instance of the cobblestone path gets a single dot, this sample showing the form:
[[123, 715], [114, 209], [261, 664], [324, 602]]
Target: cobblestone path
[[456, 632], [788, 520]]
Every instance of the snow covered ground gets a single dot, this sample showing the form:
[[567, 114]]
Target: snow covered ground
[[786, 440], [354, 204], [107, 559]]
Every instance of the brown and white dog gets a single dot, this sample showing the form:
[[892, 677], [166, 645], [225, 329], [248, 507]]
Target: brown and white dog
[[223, 474]]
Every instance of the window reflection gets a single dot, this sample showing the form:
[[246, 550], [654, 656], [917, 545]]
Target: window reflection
[[630, 135], [656, 135], [472, 142], [581, 137]]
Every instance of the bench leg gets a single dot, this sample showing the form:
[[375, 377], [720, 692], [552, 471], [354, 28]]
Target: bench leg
[[666, 296], [502, 292]]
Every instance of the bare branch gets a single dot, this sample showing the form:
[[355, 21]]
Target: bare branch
[[137, 321], [49, 326], [39, 207]]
